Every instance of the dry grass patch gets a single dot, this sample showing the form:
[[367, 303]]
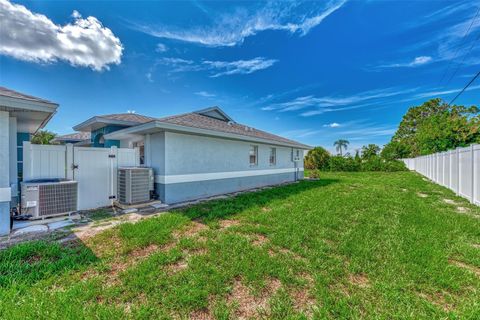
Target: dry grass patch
[[422, 195], [474, 269], [249, 306], [449, 201], [438, 299], [192, 229], [260, 240], [228, 223], [360, 280]]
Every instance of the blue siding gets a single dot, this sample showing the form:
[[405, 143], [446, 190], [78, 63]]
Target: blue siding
[[97, 134], [21, 137]]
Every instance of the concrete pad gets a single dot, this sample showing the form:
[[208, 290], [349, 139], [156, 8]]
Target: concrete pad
[[131, 210], [60, 224], [32, 229], [159, 205]]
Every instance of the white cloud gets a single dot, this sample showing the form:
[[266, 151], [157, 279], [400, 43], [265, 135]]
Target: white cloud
[[205, 94], [319, 105], [29, 36], [230, 29], [218, 68], [332, 125], [161, 47], [418, 61], [240, 66]]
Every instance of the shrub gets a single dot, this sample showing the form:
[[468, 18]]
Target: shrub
[[317, 158], [339, 163]]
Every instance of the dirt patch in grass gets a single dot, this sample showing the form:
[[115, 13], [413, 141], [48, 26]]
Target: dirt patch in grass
[[250, 306], [260, 240], [177, 266], [266, 209], [437, 299], [191, 230], [228, 223], [360, 280], [475, 270], [476, 245], [422, 195]]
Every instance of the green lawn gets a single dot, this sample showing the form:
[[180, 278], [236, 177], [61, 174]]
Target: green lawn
[[352, 245]]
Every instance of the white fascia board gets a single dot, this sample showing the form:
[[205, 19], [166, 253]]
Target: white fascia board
[[17, 103], [162, 126], [85, 126]]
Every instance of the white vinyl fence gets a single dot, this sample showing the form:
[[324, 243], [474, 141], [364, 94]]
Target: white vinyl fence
[[95, 169], [458, 170]]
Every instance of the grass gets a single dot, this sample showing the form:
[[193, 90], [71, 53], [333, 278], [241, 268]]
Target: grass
[[351, 245]]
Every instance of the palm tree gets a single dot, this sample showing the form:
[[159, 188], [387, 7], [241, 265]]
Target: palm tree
[[341, 144], [43, 137]]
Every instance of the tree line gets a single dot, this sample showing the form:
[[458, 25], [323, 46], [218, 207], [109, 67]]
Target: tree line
[[434, 126]]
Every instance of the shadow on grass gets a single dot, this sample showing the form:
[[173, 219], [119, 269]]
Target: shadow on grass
[[30, 262], [222, 208]]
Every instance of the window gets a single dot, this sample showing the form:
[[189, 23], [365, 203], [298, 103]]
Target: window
[[253, 155], [273, 156]]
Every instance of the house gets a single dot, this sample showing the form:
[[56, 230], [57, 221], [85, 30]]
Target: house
[[202, 153], [21, 115], [78, 138]]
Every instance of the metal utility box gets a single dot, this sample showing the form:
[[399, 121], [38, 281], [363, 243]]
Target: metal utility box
[[48, 197], [134, 184]]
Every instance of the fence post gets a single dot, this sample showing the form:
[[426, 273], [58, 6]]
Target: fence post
[[472, 150], [27, 165], [457, 192], [69, 161], [113, 173]]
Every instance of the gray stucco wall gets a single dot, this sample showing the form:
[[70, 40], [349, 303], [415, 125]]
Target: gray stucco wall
[[199, 154], [175, 154]]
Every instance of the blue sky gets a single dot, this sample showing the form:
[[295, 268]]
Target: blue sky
[[312, 71]]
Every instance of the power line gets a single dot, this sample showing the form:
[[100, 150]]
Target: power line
[[465, 88], [463, 60], [459, 46]]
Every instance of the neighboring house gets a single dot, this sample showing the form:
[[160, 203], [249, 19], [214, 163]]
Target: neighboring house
[[206, 153], [80, 139], [21, 116], [99, 126]]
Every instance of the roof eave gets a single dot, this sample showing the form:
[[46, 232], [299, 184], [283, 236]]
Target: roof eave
[[163, 126], [87, 125]]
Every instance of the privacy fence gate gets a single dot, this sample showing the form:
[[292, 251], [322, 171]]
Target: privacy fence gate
[[458, 170], [95, 169]]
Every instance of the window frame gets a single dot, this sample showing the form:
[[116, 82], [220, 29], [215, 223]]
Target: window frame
[[272, 153], [255, 153]]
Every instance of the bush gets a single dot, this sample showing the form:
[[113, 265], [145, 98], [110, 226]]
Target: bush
[[339, 163], [317, 158]]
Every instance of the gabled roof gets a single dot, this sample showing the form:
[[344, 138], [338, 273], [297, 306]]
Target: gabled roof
[[198, 122], [77, 136], [18, 95], [214, 112], [122, 119], [32, 113]]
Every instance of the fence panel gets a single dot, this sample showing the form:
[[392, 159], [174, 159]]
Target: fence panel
[[43, 161], [95, 169], [458, 170]]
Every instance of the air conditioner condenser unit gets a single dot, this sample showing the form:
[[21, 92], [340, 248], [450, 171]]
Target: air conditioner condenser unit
[[134, 184], [48, 197]]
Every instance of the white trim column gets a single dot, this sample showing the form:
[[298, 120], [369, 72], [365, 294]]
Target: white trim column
[[5, 192]]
